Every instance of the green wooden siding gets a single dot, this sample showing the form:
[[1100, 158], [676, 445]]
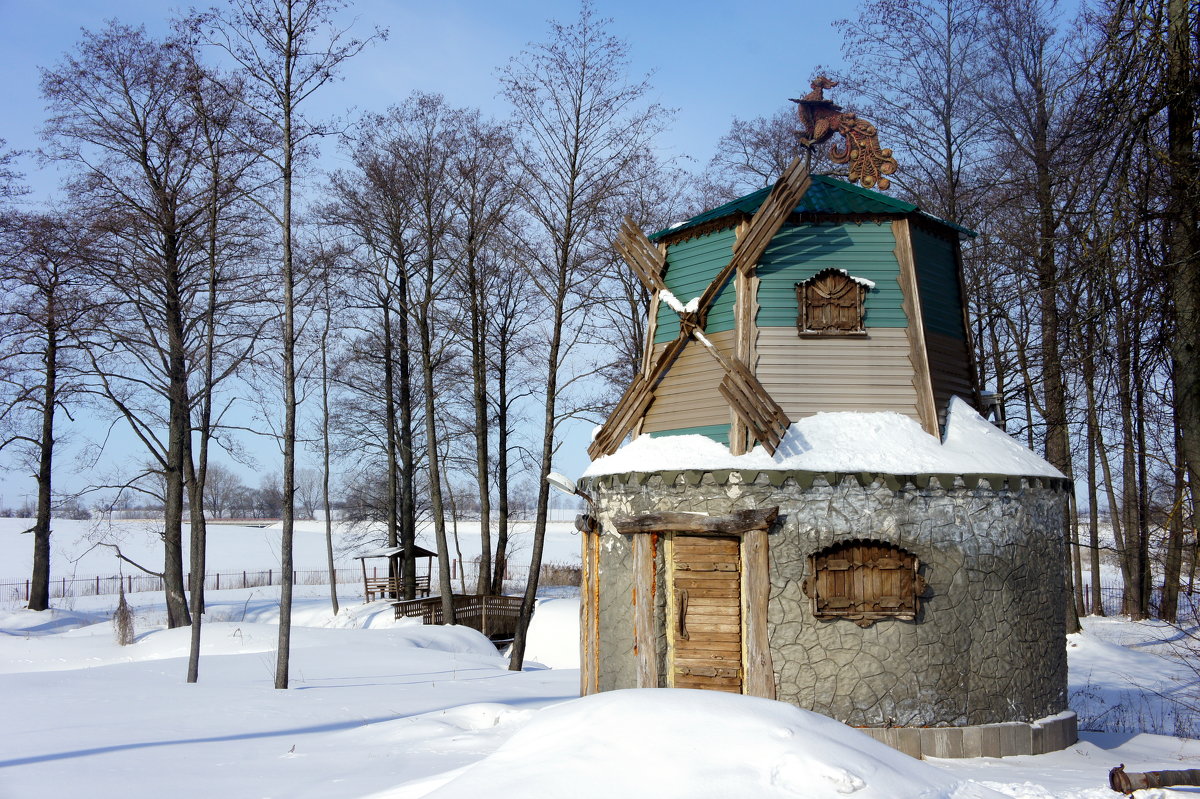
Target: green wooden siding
[[800, 251], [691, 266], [937, 278], [717, 432]]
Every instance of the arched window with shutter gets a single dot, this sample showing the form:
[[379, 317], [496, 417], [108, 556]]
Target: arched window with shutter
[[831, 303], [864, 581]]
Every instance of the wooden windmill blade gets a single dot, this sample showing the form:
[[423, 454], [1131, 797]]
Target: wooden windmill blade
[[761, 414], [634, 402], [765, 223], [646, 260], [749, 399]]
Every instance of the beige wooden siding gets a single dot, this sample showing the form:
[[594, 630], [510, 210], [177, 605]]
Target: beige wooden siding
[[687, 396], [810, 375], [949, 369]]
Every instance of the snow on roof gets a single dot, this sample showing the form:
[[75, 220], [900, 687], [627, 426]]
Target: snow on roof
[[387, 552], [675, 742], [862, 281], [847, 442]]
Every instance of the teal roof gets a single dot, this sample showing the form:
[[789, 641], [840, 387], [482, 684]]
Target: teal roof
[[825, 195]]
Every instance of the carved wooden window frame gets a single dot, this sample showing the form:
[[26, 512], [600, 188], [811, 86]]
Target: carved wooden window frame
[[864, 581], [834, 288]]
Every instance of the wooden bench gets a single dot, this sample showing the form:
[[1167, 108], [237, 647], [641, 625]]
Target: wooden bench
[[382, 587]]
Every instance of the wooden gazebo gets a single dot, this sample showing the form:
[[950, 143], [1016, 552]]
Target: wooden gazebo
[[389, 585]]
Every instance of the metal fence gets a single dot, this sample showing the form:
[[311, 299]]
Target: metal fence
[[461, 575], [1112, 599]]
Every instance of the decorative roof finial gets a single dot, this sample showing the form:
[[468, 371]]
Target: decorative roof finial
[[822, 118]]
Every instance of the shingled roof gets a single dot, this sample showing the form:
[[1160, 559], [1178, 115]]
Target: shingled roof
[[826, 195]]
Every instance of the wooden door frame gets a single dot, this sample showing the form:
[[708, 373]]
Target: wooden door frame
[[751, 526]]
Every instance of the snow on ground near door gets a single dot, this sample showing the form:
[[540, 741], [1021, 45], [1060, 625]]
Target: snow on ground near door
[[395, 710]]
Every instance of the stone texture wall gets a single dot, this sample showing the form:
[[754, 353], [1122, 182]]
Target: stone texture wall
[[988, 645]]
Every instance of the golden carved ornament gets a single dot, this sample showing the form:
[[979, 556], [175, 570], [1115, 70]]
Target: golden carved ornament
[[869, 163]]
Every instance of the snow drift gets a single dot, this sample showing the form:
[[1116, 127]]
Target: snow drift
[[695, 744]]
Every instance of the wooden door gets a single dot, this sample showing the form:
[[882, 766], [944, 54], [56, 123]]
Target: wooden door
[[706, 635]]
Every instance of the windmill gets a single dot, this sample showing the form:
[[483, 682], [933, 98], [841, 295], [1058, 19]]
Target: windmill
[[760, 416]]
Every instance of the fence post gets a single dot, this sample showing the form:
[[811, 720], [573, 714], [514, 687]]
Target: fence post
[[270, 577], [97, 585], [218, 588], [64, 590], [243, 579], [26, 590]]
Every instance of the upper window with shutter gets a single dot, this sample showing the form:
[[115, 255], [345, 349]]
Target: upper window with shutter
[[831, 303], [864, 581]]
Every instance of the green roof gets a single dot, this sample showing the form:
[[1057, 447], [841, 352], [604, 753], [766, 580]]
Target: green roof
[[825, 195]]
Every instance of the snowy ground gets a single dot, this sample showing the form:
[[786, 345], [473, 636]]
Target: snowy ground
[[398, 711]]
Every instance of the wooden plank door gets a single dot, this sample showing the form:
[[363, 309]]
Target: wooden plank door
[[707, 605]]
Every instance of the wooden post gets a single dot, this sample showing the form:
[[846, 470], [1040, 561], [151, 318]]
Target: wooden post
[[744, 310], [643, 612], [756, 593]]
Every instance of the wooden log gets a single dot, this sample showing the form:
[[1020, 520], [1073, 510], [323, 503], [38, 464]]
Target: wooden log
[[695, 524], [756, 588], [645, 649], [1128, 782]]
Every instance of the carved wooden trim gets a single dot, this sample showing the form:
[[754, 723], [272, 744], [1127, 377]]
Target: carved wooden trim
[[917, 350], [736, 523]]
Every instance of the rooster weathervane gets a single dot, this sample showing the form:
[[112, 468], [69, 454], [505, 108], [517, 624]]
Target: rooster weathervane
[[869, 163]]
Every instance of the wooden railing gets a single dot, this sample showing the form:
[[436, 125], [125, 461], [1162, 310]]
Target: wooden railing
[[494, 616]]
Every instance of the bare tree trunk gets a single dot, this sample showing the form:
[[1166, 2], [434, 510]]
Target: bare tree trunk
[[1089, 379], [288, 279], [501, 564], [325, 457], [1183, 237], [1173, 567], [431, 445], [39, 587], [529, 599], [391, 448], [479, 400]]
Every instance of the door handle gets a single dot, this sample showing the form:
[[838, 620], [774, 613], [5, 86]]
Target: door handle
[[683, 604]]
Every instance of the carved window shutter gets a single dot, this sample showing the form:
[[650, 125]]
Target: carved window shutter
[[864, 581], [831, 302]]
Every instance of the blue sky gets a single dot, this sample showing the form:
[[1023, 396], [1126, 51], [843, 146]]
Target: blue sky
[[709, 61]]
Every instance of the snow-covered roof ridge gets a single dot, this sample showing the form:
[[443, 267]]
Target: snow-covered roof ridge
[[886, 442]]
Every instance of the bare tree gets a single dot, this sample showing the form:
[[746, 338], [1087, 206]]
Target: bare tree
[[122, 122], [482, 192], [917, 67], [46, 305], [581, 124], [286, 50]]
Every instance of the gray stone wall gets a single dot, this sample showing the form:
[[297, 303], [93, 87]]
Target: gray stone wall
[[618, 669], [988, 645]]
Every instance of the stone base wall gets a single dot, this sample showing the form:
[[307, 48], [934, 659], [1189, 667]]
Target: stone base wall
[[988, 645], [984, 740]]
